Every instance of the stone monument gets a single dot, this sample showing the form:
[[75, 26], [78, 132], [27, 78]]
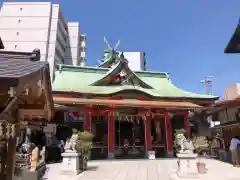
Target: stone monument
[[71, 158], [187, 159]]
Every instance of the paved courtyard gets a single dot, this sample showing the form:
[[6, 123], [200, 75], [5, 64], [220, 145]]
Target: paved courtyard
[[142, 170]]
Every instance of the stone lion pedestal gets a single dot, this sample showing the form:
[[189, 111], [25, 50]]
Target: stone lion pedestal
[[187, 165], [71, 163]]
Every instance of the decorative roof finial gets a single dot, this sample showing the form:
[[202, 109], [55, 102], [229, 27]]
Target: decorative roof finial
[[108, 45], [117, 44], [36, 55], [122, 58], [122, 55]]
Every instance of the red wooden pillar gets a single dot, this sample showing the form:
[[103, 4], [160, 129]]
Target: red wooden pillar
[[111, 133], [88, 119], [148, 137], [186, 124], [169, 139]]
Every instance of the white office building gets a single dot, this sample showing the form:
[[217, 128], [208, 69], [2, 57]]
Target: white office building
[[25, 26], [136, 60]]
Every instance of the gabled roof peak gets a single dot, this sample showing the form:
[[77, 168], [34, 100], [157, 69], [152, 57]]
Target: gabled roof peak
[[121, 74], [111, 56]]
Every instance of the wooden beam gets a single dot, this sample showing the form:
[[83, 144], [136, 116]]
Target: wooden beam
[[11, 154], [6, 113], [10, 162], [65, 108], [47, 92], [215, 109], [32, 114], [127, 103]]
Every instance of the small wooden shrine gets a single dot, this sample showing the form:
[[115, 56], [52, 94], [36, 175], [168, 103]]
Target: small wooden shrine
[[121, 107], [25, 94], [227, 112]]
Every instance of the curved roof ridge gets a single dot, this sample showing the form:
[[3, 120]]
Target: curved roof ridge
[[191, 93], [105, 61], [66, 67]]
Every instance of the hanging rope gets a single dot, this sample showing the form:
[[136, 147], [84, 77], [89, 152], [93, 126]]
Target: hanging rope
[[136, 117]]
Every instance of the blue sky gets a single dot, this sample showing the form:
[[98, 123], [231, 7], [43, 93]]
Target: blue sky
[[186, 38]]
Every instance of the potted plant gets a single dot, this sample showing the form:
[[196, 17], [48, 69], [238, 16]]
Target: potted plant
[[201, 144], [83, 147], [201, 166]]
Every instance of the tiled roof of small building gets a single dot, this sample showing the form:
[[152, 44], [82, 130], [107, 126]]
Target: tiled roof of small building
[[19, 64]]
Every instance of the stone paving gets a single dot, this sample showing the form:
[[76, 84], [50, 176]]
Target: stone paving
[[159, 169]]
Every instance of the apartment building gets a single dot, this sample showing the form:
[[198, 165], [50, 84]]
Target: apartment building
[[75, 45], [82, 47], [25, 26]]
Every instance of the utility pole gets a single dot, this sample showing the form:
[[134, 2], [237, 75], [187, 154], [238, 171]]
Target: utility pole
[[207, 82]]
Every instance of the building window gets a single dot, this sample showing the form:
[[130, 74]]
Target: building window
[[83, 44], [82, 38], [83, 54], [82, 49], [15, 46]]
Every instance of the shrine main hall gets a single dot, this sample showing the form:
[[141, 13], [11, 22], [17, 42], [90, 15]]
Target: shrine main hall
[[130, 113]]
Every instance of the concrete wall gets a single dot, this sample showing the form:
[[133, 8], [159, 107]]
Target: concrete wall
[[72, 49], [25, 26], [232, 92]]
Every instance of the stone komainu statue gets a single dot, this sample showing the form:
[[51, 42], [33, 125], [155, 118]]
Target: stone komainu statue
[[71, 144], [186, 146]]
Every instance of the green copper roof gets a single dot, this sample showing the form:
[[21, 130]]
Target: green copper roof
[[81, 80]]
